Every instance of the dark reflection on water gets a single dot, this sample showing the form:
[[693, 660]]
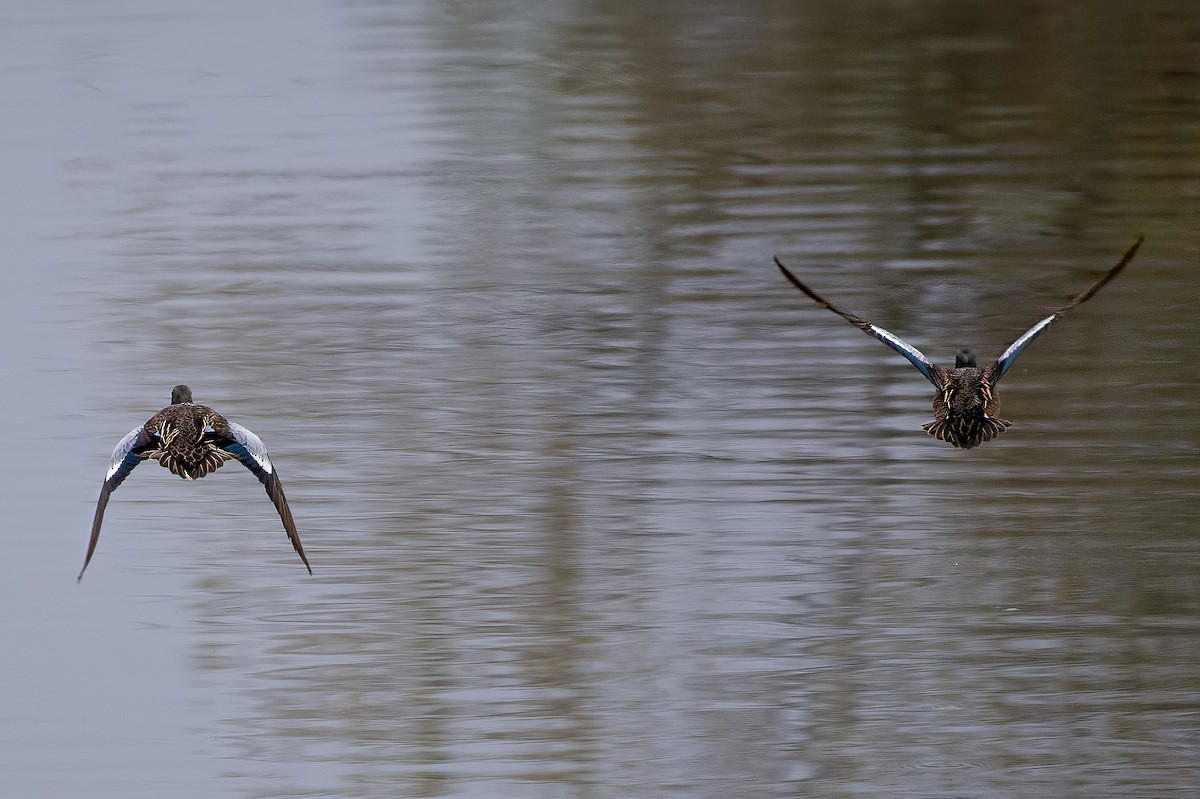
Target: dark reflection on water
[[597, 505]]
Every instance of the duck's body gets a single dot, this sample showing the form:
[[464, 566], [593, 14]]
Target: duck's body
[[191, 441], [185, 439], [965, 404]]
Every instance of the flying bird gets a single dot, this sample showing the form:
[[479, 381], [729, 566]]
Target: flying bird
[[192, 440], [965, 405]]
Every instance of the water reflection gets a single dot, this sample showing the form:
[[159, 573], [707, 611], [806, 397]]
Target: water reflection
[[596, 504]]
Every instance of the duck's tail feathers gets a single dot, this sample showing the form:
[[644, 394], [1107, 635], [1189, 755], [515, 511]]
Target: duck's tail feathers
[[966, 436]]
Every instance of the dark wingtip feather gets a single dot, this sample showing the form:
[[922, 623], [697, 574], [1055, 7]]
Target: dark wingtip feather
[[853, 319], [97, 520], [275, 492], [1106, 277]]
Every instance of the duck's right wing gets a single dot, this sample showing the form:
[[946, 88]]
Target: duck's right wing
[[1006, 359], [914, 355], [252, 453], [126, 456]]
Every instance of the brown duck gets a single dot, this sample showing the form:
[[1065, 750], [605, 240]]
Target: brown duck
[[192, 440], [965, 405]]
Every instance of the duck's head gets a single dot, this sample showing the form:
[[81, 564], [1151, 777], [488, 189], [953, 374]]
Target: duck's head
[[963, 358], [180, 393]]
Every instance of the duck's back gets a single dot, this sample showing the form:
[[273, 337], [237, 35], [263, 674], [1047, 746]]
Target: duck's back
[[186, 433], [965, 408]]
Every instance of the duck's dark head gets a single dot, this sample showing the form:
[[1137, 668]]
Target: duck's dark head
[[181, 393], [963, 358]]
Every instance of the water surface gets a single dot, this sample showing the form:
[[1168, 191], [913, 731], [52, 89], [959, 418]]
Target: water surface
[[597, 504]]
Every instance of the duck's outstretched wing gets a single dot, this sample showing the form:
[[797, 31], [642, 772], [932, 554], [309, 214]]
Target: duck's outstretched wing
[[914, 355], [248, 448], [125, 457], [1005, 361]]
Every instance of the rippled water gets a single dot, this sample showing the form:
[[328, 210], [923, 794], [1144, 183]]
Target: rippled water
[[597, 504]]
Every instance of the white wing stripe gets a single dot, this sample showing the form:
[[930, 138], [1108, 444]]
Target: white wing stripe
[[900, 344], [1014, 349], [253, 445], [914, 355], [122, 449]]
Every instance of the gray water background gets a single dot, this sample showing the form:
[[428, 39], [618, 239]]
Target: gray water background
[[597, 505]]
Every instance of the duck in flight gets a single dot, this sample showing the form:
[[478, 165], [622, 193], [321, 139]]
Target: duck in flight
[[192, 440], [965, 405]]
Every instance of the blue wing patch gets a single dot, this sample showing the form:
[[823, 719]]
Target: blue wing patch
[[248, 448], [124, 458], [914, 355], [1017, 347]]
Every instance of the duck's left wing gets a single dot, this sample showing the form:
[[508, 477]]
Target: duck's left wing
[[126, 456], [914, 355], [1006, 359], [248, 448]]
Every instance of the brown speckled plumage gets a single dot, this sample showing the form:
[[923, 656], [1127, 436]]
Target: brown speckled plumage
[[186, 434], [965, 406]]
